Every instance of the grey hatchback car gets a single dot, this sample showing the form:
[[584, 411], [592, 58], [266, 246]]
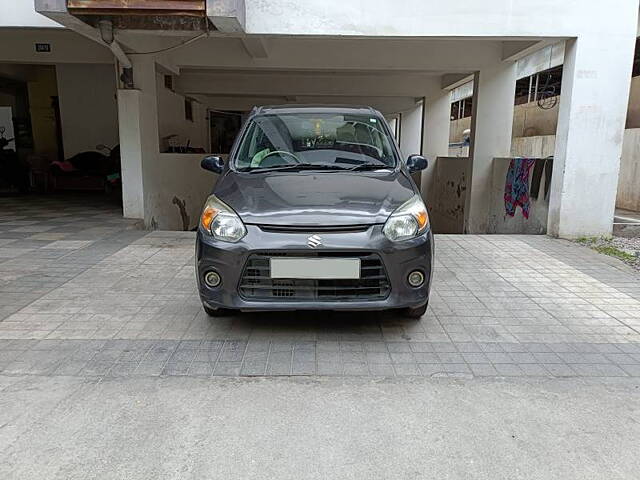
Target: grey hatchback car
[[314, 210]]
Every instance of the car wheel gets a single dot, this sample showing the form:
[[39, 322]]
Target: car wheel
[[218, 312], [416, 312]]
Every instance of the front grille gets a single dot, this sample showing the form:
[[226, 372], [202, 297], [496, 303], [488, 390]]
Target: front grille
[[314, 228], [256, 282]]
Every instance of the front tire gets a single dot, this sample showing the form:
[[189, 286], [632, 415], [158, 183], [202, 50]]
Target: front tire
[[217, 312], [415, 312]]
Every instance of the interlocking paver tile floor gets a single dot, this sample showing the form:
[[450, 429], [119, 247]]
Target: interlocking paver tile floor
[[84, 292]]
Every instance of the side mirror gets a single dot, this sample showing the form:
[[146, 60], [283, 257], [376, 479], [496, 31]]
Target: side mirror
[[212, 163], [416, 163]]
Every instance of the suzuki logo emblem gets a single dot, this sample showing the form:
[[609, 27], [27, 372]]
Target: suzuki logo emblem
[[314, 241]]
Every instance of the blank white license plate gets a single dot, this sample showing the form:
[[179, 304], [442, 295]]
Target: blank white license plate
[[315, 268]]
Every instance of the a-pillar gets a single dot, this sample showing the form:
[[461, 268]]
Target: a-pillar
[[138, 125], [491, 128], [593, 104]]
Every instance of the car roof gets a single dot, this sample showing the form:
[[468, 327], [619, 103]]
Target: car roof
[[282, 109]]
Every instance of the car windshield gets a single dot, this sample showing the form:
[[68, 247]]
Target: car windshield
[[315, 140]]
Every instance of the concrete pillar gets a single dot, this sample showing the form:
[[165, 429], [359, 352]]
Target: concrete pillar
[[491, 128], [411, 136], [411, 131], [437, 121], [393, 125], [593, 104], [435, 136], [138, 127], [131, 153]]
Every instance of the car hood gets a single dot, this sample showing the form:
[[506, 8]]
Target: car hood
[[314, 198]]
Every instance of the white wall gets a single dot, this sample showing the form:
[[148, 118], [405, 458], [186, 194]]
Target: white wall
[[88, 106], [174, 178], [171, 118], [499, 221], [539, 147], [629, 180], [459, 18], [18, 45], [628, 196]]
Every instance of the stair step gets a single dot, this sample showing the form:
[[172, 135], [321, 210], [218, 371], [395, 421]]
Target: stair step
[[626, 228]]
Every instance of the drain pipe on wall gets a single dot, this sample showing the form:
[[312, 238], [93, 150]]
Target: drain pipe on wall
[[106, 33]]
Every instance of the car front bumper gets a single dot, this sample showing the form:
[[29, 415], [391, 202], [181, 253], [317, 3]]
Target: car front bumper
[[398, 258]]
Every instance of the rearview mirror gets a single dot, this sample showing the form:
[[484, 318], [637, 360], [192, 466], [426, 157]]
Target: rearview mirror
[[212, 163], [416, 163]]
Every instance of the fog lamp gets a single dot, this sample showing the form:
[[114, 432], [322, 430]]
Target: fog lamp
[[416, 278], [212, 279]]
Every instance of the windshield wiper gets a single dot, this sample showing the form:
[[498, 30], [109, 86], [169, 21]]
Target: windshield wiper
[[370, 166], [293, 167]]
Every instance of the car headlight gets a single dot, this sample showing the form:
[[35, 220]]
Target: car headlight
[[408, 221], [221, 221]]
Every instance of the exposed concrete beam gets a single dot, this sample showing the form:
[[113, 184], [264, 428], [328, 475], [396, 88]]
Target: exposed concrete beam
[[57, 11], [286, 53], [167, 67], [18, 46], [228, 16], [450, 81], [463, 91], [548, 57], [134, 40], [386, 105], [513, 51], [298, 84], [255, 47]]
